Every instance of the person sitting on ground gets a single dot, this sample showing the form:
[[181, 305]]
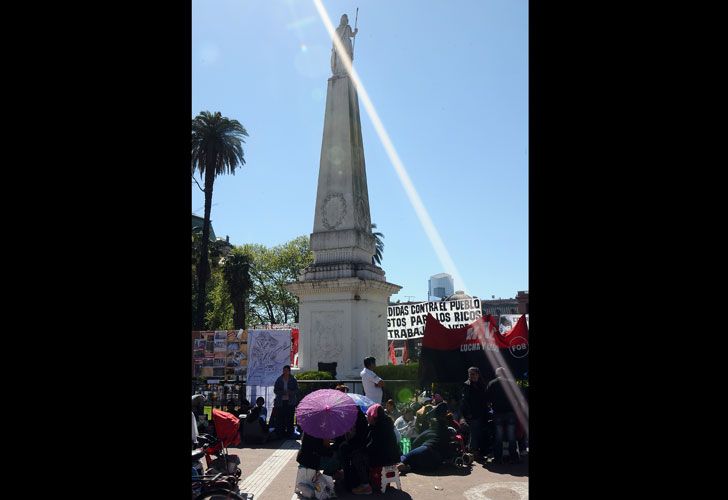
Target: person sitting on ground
[[405, 424], [244, 406], [231, 408], [382, 447], [391, 410], [259, 414], [431, 447]]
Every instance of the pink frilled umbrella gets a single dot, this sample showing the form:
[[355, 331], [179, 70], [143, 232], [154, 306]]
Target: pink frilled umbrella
[[326, 413]]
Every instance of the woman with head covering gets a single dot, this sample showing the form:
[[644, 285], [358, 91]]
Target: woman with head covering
[[430, 447]]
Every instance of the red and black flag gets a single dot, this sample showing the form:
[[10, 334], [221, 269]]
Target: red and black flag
[[448, 353]]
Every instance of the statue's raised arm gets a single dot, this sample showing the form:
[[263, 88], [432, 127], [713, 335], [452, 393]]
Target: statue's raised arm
[[344, 34]]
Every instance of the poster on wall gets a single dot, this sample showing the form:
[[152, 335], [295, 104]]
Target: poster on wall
[[241, 335], [506, 322], [226, 349], [268, 352]]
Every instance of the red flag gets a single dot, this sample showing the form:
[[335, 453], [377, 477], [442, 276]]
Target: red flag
[[392, 357], [405, 354], [519, 333], [448, 352], [294, 346]]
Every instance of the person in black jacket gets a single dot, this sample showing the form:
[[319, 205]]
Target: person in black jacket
[[473, 409], [352, 455], [382, 446], [286, 390], [504, 417], [317, 454]]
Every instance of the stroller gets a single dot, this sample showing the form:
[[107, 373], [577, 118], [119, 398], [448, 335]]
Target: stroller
[[227, 430], [459, 456]]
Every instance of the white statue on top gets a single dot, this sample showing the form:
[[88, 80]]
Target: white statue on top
[[344, 33]]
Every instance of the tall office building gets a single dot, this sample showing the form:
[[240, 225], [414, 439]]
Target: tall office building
[[440, 286]]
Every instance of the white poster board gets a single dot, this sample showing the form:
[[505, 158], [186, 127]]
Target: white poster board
[[268, 352], [506, 322]]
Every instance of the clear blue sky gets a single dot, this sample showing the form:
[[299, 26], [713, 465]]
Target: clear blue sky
[[449, 80]]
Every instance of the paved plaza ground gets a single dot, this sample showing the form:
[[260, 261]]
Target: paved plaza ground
[[269, 473]]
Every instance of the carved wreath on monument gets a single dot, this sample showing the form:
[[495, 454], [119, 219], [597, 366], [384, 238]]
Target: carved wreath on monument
[[334, 209]]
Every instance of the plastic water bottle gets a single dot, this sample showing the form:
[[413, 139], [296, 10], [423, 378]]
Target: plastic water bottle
[[405, 445]]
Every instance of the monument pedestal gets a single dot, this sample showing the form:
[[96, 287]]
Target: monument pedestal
[[342, 320], [343, 297]]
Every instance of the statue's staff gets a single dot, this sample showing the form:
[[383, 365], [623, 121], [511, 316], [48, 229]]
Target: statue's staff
[[356, 20]]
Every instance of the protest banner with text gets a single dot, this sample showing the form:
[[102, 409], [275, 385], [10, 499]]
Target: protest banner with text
[[407, 321]]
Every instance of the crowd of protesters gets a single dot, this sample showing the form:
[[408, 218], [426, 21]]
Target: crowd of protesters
[[484, 413]]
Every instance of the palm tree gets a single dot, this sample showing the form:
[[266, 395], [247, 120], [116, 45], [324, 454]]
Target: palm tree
[[378, 237], [236, 273], [216, 149]]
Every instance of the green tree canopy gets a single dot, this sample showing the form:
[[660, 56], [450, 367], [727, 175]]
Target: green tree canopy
[[271, 269], [247, 286]]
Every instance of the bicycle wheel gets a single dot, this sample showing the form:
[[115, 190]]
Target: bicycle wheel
[[220, 494]]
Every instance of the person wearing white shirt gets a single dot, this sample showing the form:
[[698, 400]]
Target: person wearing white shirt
[[371, 382], [405, 424]]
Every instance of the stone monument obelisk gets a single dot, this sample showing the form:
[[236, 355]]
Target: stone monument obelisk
[[343, 297]]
